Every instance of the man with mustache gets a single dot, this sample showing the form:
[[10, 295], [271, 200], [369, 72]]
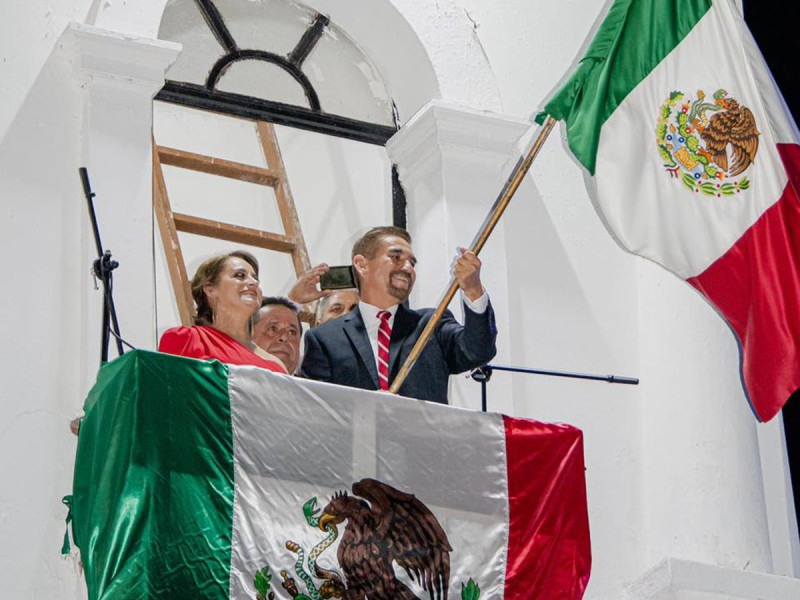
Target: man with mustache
[[277, 330], [352, 349]]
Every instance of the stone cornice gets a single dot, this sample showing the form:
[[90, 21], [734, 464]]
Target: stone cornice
[[440, 129]]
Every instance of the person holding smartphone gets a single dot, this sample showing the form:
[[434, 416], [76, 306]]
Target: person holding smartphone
[[367, 347], [334, 287]]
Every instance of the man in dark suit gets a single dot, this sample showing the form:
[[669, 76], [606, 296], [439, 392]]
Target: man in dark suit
[[351, 350]]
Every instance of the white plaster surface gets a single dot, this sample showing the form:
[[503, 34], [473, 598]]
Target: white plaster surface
[[42, 227], [675, 579], [395, 46], [29, 32], [676, 467], [90, 106]]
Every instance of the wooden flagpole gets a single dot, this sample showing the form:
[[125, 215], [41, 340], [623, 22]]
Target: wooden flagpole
[[508, 191]]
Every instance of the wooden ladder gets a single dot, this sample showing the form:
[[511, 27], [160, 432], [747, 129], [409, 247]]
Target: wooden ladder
[[170, 223]]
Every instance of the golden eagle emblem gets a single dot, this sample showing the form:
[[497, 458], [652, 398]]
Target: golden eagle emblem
[[707, 143]]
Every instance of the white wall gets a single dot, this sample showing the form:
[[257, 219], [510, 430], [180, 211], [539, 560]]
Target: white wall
[[88, 106], [43, 224], [28, 34]]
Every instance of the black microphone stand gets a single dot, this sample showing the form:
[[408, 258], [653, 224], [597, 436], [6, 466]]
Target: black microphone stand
[[483, 375], [103, 268]]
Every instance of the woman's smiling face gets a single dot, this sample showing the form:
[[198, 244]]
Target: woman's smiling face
[[236, 289]]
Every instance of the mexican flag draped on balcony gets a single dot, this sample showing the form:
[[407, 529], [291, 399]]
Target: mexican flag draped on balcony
[[199, 480], [696, 166]]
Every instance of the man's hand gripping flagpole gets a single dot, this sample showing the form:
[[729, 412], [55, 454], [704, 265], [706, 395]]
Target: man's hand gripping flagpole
[[508, 191]]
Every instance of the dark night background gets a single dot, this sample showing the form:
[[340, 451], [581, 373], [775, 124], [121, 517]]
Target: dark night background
[[777, 31], [778, 35]]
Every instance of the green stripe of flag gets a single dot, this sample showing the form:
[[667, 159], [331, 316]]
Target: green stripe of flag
[[177, 419], [635, 37]]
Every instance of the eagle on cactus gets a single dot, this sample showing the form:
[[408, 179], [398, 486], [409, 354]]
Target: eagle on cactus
[[385, 526]]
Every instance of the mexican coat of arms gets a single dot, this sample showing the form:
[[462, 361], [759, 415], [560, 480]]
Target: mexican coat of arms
[[707, 143]]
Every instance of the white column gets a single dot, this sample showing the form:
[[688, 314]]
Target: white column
[[453, 163], [119, 75], [779, 498], [702, 478]]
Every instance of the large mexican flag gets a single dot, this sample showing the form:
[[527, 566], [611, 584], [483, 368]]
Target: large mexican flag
[[195, 479], [696, 166]]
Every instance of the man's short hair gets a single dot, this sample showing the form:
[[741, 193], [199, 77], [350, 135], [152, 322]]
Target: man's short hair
[[367, 245], [281, 301]]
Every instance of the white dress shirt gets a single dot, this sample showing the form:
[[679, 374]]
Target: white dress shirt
[[369, 314]]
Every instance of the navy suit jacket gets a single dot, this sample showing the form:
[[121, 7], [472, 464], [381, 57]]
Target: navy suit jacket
[[339, 351]]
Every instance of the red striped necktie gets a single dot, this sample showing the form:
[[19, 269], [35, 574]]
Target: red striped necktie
[[384, 335]]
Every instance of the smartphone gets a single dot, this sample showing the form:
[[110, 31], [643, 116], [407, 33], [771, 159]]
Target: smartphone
[[338, 278]]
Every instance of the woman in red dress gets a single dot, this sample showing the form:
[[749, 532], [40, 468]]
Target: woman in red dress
[[227, 293]]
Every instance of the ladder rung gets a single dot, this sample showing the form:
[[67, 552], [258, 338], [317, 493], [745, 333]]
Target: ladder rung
[[234, 233], [218, 166]]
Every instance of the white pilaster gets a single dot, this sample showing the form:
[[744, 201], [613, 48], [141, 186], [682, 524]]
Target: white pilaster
[[704, 495], [453, 162], [119, 75], [779, 498]]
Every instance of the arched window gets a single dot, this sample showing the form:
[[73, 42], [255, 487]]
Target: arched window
[[277, 61]]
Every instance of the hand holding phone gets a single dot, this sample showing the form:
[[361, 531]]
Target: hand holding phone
[[337, 278], [306, 290]]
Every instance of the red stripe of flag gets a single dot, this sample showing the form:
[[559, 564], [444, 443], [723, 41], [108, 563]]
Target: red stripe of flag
[[549, 552], [756, 287]]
